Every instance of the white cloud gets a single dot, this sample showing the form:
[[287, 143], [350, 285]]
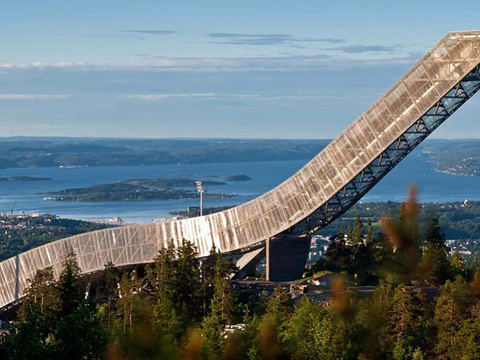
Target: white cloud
[[212, 96], [29, 97], [47, 65], [160, 97], [267, 63]]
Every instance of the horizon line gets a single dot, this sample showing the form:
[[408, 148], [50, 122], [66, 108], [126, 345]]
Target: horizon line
[[65, 137]]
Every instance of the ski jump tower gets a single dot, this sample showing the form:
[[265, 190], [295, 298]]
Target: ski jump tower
[[279, 223]]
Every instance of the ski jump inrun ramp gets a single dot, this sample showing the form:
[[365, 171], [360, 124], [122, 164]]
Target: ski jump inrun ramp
[[335, 179]]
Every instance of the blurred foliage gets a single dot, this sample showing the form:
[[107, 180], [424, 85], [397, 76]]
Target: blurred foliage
[[458, 220], [404, 250]]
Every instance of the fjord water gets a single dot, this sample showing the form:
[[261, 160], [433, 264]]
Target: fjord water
[[28, 197]]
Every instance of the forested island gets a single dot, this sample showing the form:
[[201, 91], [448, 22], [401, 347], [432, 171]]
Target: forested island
[[137, 190], [24, 178], [238, 178]]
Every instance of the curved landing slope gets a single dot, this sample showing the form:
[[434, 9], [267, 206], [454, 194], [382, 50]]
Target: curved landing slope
[[424, 97]]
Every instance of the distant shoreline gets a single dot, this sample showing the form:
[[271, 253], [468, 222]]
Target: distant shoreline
[[24, 178], [453, 173], [70, 153]]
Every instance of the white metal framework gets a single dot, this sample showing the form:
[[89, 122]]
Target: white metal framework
[[337, 177]]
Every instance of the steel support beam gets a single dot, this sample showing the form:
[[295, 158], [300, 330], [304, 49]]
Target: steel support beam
[[354, 190]]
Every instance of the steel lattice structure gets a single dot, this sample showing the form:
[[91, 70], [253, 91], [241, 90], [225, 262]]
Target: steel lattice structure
[[431, 91], [388, 159]]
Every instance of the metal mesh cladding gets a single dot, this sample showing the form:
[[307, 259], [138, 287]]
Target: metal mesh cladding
[[282, 207]]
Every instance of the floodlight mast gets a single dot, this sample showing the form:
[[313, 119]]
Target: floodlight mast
[[200, 190]]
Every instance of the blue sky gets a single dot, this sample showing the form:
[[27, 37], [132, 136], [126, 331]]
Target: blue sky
[[251, 69]]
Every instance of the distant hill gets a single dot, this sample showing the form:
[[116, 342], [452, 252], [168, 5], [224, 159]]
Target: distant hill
[[55, 152], [459, 157]]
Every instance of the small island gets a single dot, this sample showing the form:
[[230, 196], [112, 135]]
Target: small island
[[137, 190], [24, 178], [237, 178]]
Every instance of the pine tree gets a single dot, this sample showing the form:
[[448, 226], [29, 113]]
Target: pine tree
[[370, 237], [69, 288], [435, 265], [34, 337], [221, 306], [179, 302], [452, 308], [136, 335], [406, 326], [212, 327], [298, 335], [58, 322], [108, 288], [349, 233], [165, 313], [80, 334], [375, 318], [404, 238], [339, 253], [224, 267], [418, 355], [362, 262], [279, 306], [268, 345], [334, 338], [128, 303], [457, 266], [41, 291], [207, 269], [475, 284], [188, 285], [357, 235], [467, 339]]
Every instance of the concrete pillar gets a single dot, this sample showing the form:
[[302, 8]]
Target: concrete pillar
[[286, 257], [248, 262]]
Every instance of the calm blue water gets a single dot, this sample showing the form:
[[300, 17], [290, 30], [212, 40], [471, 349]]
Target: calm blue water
[[24, 196]]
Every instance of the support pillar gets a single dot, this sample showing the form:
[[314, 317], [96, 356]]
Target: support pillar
[[248, 262], [286, 256]]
